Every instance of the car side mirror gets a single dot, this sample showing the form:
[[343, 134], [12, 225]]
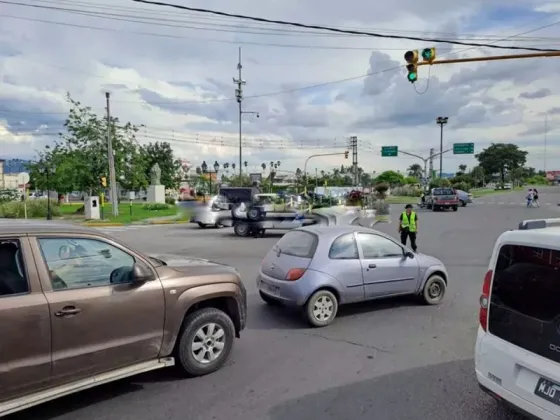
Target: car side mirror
[[141, 274], [409, 254]]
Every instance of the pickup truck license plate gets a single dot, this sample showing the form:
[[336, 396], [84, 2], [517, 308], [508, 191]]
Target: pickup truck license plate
[[548, 390]]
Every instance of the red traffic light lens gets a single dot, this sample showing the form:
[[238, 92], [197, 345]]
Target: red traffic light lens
[[409, 55]]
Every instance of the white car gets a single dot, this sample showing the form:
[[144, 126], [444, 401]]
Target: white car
[[517, 355]]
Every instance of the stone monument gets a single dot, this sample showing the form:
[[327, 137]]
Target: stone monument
[[156, 191]]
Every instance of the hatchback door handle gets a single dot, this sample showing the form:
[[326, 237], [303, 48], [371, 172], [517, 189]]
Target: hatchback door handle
[[67, 311], [372, 266]]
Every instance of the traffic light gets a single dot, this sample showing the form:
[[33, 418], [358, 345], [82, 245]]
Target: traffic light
[[346, 154], [411, 58], [104, 181], [429, 54]]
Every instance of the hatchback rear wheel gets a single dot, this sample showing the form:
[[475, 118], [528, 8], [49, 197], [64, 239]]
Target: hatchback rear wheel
[[321, 308]]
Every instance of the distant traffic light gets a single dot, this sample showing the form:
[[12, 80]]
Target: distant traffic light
[[103, 181], [346, 154], [429, 54], [411, 58]]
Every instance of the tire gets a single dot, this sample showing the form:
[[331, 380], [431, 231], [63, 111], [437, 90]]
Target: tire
[[254, 214], [201, 225], [462, 203], [327, 297], [455, 208], [235, 212], [434, 208], [434, 290], [268, 299], [241, 229], [199, 323]]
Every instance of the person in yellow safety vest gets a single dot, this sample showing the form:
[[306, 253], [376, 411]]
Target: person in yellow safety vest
[[408, 226]]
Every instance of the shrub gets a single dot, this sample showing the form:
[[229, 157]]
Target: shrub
[[461, 186], [170, 200], [156, 206], [9, 195], [381, 190], [35, 209], [407, 191], [381, 208]]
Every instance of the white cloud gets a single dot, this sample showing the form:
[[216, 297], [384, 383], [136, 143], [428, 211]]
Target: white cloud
[[179, 83]]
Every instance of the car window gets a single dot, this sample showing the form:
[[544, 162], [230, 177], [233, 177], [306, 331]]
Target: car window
[[443, 191], [524, 298], [79, 263], [298, 243], [344, 248], [13, 279], [375, 246]]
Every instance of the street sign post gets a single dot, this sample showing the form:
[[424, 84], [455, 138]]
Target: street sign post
[[389, 151], [463, 148]]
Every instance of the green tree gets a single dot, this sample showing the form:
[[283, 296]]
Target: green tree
[[86, 142], [477, 174], [501, 158], [390, 177], [462, 169], [162, 154], [415, 170], [56, 170]]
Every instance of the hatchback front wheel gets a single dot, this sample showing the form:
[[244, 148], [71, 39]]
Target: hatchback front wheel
[[434, 290]]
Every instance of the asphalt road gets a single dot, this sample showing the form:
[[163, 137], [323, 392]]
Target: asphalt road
[[384, 360]]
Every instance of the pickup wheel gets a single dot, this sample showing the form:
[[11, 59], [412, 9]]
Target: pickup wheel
[[205, 342]]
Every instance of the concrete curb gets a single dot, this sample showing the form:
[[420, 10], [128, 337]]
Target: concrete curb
[[153, 222], [100, 224]]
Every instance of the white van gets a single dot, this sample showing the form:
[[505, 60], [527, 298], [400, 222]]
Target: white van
[[517, 355]]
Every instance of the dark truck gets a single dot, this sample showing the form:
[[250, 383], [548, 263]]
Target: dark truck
[[442, 198]]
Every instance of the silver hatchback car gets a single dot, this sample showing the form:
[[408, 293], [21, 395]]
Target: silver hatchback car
[[319, 268]]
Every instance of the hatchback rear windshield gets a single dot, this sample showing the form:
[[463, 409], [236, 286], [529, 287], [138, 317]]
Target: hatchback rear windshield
[[298, 243], [443, 191], [524, 307]]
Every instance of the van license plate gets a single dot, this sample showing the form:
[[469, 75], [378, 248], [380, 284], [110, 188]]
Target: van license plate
[[548, 390]]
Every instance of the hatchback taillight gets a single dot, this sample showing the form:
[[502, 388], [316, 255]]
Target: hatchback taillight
[[485, 301], [295, 274]]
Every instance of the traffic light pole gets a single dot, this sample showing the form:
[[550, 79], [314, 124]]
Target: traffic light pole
[[313, 156], [491, 58], [425, 160]]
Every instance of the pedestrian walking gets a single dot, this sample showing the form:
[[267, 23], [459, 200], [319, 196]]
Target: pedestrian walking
[[529, 198], [536, 197], [408, 226]]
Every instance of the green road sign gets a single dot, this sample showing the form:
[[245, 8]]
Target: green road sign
[[389, 151], [463, 148]]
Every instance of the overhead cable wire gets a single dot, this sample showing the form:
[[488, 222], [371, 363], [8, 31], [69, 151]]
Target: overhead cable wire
[[346, 31]]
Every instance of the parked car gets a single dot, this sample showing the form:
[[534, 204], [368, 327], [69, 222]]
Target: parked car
[[80, 309], [464, 197], [517, 353], [319, 268], [441, 199]]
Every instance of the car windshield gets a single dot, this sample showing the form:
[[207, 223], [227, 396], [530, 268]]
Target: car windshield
[[443, 191]]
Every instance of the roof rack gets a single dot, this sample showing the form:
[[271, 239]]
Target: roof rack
[[538, 224]]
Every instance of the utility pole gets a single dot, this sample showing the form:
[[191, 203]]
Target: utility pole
[[239, 95], [545, 139], [354, 145], [111, 160], [431, 164], [441, 121]]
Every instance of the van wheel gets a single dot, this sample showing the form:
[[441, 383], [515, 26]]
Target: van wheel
[[205, 342], [434, 290], [201, 225], [321, 308], [455, 208]]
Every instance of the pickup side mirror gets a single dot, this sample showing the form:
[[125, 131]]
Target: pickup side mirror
[[141, 274]]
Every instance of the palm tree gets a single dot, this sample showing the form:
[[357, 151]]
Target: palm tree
[[322, 174], [233, 166], [263, 166], [245, 164], [415, 170], [271, 164], [277, 163]]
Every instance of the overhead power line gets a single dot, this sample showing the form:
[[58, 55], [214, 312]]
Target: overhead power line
[[337, 30]]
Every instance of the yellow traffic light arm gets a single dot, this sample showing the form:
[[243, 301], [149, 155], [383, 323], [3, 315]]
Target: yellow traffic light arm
[[491, 58]]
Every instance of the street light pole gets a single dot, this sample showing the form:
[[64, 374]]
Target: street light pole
[[49, 214], [441, 121], [312, 156]]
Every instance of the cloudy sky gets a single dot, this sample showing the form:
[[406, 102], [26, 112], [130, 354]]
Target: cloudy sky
[[172, 71]]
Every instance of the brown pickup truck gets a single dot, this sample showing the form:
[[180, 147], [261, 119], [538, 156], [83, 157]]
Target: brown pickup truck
[[80, 309]]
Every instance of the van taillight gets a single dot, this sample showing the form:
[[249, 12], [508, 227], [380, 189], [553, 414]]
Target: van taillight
[[485, 301], [295, 274]]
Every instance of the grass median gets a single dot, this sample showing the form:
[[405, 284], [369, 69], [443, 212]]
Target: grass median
[[136, 212]]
